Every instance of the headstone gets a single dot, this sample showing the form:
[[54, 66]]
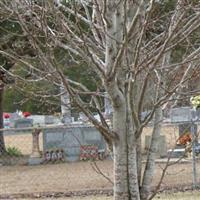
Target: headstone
[[9, 123], [23, 123], [92, 137], [182, 114], [48, 119], [38, 119], [6, 123], [71, 139], [60, 138], [176, 153], [82, 117]]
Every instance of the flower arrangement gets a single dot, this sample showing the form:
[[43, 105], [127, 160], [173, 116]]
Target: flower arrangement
[[195, 101], [26, 114], [6, 115]]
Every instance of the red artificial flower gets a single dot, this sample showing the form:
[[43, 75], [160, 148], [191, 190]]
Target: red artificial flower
[[26, 114], [6, 115]]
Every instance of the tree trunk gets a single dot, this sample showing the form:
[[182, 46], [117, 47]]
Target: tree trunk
[[125, 172], [2, 143], [139, 159], [150, 165], [125, 160]]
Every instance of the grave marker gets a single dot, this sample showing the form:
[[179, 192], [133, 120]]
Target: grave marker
[[23, 123], [70, 139], [183, 114]]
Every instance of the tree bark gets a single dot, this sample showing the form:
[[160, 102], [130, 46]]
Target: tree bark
[[126, 185], [2, 142], [150, 165], [125, 172], [139, 159]]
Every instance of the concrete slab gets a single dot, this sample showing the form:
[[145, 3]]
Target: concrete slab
[[35, 161]]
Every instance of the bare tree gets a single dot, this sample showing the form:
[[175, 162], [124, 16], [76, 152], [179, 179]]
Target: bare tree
[[134, 51]]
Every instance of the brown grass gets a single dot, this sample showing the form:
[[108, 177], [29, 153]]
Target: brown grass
[[76, 176], [170, 132], [23, 142], [175, 196]]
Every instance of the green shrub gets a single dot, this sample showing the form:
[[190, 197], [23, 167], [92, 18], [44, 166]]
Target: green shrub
[[13, 151]]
